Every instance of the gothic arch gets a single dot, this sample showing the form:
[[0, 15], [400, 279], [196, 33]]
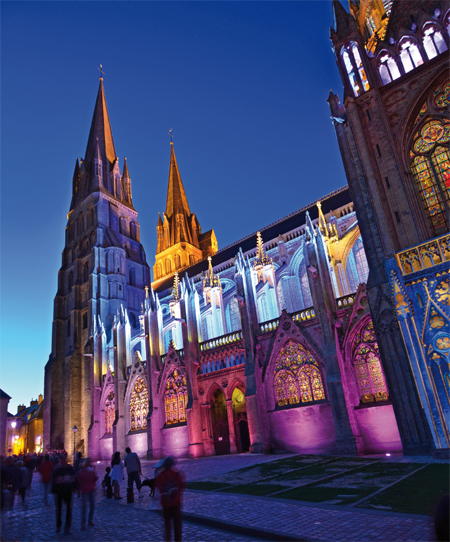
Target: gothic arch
[[353, 235], [236, 383], [137, 393]]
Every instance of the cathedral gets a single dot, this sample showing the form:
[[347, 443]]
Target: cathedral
[[327, 331]]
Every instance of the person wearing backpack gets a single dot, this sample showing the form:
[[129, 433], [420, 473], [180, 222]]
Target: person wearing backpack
[[171, 484]]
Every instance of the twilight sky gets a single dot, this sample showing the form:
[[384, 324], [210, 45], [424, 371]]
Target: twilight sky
[[243, 85]]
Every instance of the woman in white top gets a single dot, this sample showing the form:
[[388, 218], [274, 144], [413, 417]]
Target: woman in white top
[[116, 474]]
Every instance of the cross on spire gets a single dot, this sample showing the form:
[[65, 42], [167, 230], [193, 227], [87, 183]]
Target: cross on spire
[[101, 71], [171, 135]]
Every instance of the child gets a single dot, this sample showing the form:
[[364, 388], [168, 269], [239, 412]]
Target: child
[[106, 484]]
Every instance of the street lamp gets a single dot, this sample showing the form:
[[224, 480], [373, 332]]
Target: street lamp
[[74, 429], [13, 425]]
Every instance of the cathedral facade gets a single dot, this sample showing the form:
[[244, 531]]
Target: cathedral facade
[[393, 130], [298, 337]]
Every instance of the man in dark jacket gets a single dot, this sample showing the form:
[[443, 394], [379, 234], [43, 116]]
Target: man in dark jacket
[[13, 477], [64, 483]]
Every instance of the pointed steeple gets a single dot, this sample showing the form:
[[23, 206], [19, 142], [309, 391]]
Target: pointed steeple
[[340, 20], [176, 196], [100, 131], [126, 182], [76, 188]]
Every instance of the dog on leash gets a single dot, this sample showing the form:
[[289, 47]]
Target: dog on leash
[[150, 484]]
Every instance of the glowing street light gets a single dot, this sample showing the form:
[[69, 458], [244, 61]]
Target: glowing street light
[[13, 425]]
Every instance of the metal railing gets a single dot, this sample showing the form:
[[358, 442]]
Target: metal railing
[[345, 301], [221, 341]]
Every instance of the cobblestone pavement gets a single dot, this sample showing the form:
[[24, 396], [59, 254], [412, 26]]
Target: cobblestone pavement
[[117, 520]]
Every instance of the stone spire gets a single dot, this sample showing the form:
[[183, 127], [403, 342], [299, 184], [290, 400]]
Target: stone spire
[[101, 132], [210, 280], [176, 196]]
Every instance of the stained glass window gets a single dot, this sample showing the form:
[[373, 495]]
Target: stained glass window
[[235, 318], [443, 99], [297, 376], [430, 165], [139, 405], [110, 413], [366, 360], [175, 397]]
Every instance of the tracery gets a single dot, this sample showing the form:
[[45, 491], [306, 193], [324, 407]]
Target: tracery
[[297, 376], [110, 411], [175, 397], [366, 360], [139, 405]]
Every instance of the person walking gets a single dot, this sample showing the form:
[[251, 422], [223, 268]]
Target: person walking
[[13, 477], [87, 479], [171, 484], [133, 466], [25, 482], [46, 469], [64, 484], [116, 474]]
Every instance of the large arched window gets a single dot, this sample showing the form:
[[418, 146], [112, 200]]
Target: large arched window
[[235, 317], [433, 42], [350, 71], [430, 165], [175, 397], [367, 364], [297, 376], [387, 68], [139, 405], [110, 413], [360, 67], [410, 54]]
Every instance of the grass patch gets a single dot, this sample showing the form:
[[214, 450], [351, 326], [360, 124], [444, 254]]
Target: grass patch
[[321, 494], [205, 486], [254, 489], [418, 494]]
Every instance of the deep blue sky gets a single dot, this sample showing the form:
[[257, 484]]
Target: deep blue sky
[[243, 85]]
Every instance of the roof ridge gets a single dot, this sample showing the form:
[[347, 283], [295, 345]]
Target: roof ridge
[[304, 208]]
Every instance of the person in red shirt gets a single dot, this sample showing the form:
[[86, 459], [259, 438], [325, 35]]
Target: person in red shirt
[[46, 470], [171, 484], [87, 478]]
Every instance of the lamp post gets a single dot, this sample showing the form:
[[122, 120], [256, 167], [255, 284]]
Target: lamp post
[[74, 431]]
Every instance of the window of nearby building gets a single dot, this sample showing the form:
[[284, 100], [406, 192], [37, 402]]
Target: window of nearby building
[[175, 397], [139, 405], [297, 376], [367, 364]]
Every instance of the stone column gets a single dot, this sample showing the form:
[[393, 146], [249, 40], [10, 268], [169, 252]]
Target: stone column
[[208, 439], [233, 445]]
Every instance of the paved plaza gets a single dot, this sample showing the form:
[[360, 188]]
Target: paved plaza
[[215, 516]]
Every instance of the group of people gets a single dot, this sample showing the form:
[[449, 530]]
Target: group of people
[[80, 478]]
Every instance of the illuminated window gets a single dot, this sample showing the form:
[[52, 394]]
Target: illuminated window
[[430, 165], [410, 55], [297, 376], [351, 72], [361, 261], [139, 405], [235, 317], [110, 413], [388, 68], [366, 360], [360, 67], [433, 42], [280, 295], [175, 398]]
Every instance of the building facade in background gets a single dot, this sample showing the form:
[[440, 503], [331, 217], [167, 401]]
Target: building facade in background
[[287, 339], [393, 130]]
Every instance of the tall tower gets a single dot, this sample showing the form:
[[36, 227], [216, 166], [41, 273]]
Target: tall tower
[[103, 271], [181, 242], [393, 133]]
